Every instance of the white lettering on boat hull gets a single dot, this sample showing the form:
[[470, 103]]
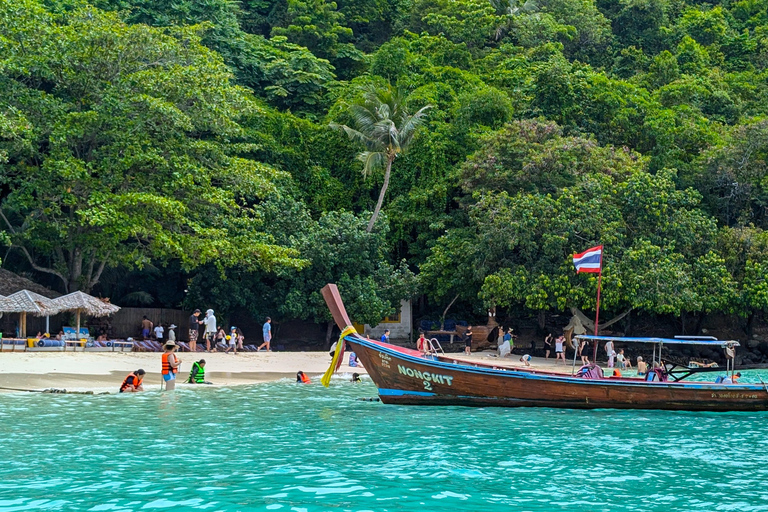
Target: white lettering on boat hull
[[427, 378]]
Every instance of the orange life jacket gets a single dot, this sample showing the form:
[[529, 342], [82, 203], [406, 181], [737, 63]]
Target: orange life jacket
[[136, 382], [616, 373], [167, 368], [304, 378]]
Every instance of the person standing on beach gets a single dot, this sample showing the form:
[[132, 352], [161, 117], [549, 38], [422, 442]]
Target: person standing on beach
[[172, 332], [210, 330], [146, 327], [170, 365], [266, 331], [468, 341], [584, 352], [560, 350], [548, 346], [159, 332], [232, 341], [194, 327], [608, 351], [511, 339], [385, 336]]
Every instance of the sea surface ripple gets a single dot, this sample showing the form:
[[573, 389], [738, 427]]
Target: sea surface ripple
[[289, 447]]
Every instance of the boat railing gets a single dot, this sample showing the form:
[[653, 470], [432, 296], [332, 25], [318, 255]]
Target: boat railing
[[435, 347]]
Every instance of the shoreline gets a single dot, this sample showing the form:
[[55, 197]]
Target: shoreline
[[105, 371]]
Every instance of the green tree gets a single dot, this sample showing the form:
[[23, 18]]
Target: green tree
[[384, 126], [129, 156]]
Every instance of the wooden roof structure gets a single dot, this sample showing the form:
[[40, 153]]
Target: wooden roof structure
[[11, 283], [84, 303], [25, 301]]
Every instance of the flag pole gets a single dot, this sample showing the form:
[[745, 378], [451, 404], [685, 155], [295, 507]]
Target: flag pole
[[597, 308]]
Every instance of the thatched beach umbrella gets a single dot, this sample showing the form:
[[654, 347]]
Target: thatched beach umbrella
[[83, 303], [24, 302]]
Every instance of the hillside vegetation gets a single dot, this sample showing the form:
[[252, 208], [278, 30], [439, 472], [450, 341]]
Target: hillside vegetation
[[232, 153]]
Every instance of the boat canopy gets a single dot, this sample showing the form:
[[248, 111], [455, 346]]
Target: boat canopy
[[677, 340]]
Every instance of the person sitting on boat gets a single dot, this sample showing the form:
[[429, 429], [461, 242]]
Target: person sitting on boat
[[731, 380], [421, 343], [642, 368], [657, 374], [133, 382], [197, 374], [526, 359], [302, 377]]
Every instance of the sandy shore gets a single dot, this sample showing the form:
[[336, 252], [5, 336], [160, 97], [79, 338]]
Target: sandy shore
[[99, 371], [105, 371]]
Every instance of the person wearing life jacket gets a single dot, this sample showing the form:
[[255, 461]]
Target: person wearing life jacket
[[197, 374], [356, 378], [302, 377], [133, 382], [170, 365]]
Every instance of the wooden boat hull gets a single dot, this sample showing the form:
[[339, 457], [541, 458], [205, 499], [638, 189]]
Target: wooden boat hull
[[407, 379]]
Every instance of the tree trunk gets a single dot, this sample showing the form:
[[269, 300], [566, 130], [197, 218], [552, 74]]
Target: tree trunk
[[328, 333], [542, 318], [628, 325], [750, 322], [699, 323], [381, 196], [445, 312]]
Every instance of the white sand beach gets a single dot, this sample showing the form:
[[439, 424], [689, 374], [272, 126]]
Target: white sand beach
[[100, 371]]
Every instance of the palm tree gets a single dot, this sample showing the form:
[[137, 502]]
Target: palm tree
[[384, 126]]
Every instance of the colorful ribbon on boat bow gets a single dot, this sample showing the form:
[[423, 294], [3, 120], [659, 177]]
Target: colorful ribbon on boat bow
[[336, 361]]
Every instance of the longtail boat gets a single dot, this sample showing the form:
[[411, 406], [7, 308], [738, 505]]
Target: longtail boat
[[409, 377]]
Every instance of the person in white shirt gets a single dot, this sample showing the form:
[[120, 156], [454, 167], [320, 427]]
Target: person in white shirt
[[210, 330], [159, 331], [559, 350]]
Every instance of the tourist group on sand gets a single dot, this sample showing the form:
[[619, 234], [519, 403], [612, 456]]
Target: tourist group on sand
[[213, 336]]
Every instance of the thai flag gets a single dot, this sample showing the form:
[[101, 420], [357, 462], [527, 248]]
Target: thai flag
[[590, 260]]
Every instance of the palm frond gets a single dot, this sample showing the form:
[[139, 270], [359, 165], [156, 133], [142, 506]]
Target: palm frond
[[382, 124], [372, 161]]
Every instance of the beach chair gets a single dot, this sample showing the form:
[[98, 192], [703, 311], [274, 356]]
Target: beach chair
[[184, 346], [12, 345]]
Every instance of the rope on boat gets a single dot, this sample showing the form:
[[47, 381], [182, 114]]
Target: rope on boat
[[764, 386]]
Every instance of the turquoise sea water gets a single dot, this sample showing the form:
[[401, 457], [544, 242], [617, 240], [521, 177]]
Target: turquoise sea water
[[289, 447]]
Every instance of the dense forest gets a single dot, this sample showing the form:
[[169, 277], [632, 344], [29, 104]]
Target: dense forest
[[241, 154]]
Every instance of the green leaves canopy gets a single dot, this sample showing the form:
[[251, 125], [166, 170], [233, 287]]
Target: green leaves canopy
[[127, 154]]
